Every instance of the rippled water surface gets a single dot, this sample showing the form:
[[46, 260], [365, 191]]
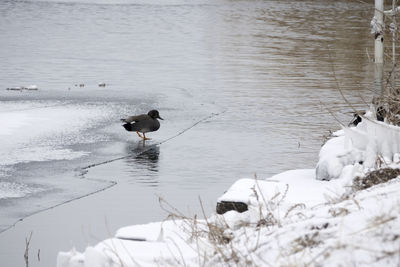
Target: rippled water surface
[[245, 87]]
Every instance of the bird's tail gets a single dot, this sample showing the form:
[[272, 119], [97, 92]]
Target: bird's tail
[[128, 127]]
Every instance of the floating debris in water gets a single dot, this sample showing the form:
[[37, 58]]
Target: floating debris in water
[[102, 84], [20, 88], [31, 87]]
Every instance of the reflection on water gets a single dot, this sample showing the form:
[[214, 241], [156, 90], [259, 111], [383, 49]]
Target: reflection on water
[[143, 163], [148, 157]]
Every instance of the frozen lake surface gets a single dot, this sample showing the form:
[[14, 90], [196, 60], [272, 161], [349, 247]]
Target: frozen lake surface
[[244, 87]]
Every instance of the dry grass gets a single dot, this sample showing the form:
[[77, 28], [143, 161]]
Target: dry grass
[[375, 177], [213, 237], [27, 244], [306, 241], [388, 108], [393, 114], [336, 212]]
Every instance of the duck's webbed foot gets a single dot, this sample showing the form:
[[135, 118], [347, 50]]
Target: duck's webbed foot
[[145, 138]]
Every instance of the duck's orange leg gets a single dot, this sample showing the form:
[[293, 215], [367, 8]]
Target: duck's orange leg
[[139, 134], [145, 138]]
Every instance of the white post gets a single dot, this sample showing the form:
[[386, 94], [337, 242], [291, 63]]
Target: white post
[[394, 29], [379, 31], [378, 27]]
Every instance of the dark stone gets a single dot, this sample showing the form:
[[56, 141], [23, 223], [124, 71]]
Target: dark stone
[[380, 113], [225, 206], [356, 120]]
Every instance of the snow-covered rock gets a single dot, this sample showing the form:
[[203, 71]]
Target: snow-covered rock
[[137, 245], [368, 143]]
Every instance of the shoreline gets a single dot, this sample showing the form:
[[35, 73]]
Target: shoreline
[[305, 213]]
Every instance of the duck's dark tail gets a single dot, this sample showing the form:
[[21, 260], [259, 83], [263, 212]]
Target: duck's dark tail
[[128, 127]]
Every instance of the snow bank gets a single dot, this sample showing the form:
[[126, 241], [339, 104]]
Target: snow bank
[[369, 144], [359, 230], [138, 245], [295, 186], [362, 229]]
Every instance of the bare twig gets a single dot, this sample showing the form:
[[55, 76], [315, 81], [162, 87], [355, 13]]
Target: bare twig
[[26, 254]]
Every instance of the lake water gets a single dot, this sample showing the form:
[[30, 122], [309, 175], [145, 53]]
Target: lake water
[[244, 87]]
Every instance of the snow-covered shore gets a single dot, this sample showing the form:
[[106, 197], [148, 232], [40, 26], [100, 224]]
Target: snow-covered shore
[[299, 217]]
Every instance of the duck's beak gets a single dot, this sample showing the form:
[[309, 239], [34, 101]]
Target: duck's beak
[[160, 118]]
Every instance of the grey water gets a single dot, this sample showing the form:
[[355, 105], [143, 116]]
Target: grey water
[[245, 88]]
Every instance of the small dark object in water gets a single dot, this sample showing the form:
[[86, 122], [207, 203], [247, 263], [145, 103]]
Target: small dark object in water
[[15, 88], [143, 123], [102, 84], [20, 88], [225, 206]]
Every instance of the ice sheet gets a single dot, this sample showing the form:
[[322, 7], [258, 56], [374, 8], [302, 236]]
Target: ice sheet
[[33, 133]]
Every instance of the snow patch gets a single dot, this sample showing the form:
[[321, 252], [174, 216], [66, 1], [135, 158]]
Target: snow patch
[[359, 229]]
